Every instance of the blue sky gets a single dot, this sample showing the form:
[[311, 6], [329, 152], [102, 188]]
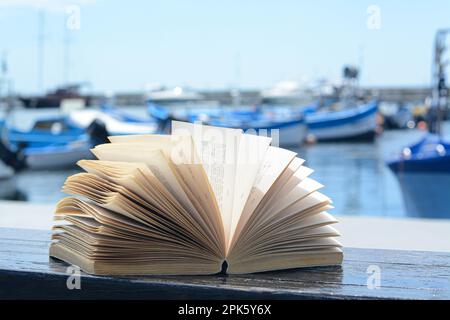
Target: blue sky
[[122, 45]]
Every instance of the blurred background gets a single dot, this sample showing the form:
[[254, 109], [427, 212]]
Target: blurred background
[[358, 89]]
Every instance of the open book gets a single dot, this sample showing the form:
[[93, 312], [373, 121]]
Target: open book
[[199, 201]]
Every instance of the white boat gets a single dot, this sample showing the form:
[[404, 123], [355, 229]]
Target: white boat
[[62, 156], [357, 123], [287, 93], [175, 95], [114, 126]]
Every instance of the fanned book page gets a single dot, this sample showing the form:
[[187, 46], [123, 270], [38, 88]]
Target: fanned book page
[[199, 201]]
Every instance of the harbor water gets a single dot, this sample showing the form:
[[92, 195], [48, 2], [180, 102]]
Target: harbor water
[[354, 174]]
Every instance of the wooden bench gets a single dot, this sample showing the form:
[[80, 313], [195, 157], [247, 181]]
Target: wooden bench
[[26, 271]]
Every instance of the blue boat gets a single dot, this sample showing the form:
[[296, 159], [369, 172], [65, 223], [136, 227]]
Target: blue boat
[[285, 128], [423, 172], [52, 143], [62, 140], [356, 123], [284, 131], [423, 169], [430, 154], [51, 130]]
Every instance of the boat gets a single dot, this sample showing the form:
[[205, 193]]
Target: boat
[[115, 121], [423, 168], [423, 172], [176, 95], [349, 124], [287, 93], [284, 132], [57, 155], [163, 115], [396, 116], [301, 93], [430, 154], [289, 123], [51, 143], [54, 99], [62, 140]]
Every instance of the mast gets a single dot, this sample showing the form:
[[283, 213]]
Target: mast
[[66, 55], [439, 87], [41, 50]]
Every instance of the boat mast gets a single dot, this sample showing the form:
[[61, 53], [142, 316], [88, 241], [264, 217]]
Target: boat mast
[[439, 87], [6, 84], [66, 55], [41, 50]]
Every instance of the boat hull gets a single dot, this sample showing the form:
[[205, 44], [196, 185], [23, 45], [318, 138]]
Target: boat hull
[[57, 156], [292, 135], [285, 134], [354, 125], [430, 164]]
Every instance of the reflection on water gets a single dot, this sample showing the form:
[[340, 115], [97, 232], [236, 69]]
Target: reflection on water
[[359, 182], [40, 186], [354, 174], [425, 195]]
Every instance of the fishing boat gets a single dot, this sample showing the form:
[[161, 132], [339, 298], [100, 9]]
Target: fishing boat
[[54, 98], [423, 172], [163, 115], [423, 168], [396, 116], [62, 140], [51, 143], [355, 123], [287, 128], [284, 132], [430, 154]]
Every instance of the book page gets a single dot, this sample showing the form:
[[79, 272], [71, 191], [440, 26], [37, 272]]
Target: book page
[[279, 186], [275, 162], [251, 154], [180, 151], [153, 158], [217, 150]]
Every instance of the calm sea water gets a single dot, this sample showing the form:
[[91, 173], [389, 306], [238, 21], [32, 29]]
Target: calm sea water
[[354, 174]]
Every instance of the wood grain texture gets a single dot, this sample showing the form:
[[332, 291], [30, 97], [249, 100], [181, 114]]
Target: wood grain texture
[[26, 272]]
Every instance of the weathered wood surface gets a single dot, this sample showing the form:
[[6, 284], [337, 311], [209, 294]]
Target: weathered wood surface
[[26, 271]]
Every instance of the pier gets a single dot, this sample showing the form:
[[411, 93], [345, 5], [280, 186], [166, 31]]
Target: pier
[[403, 275]]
